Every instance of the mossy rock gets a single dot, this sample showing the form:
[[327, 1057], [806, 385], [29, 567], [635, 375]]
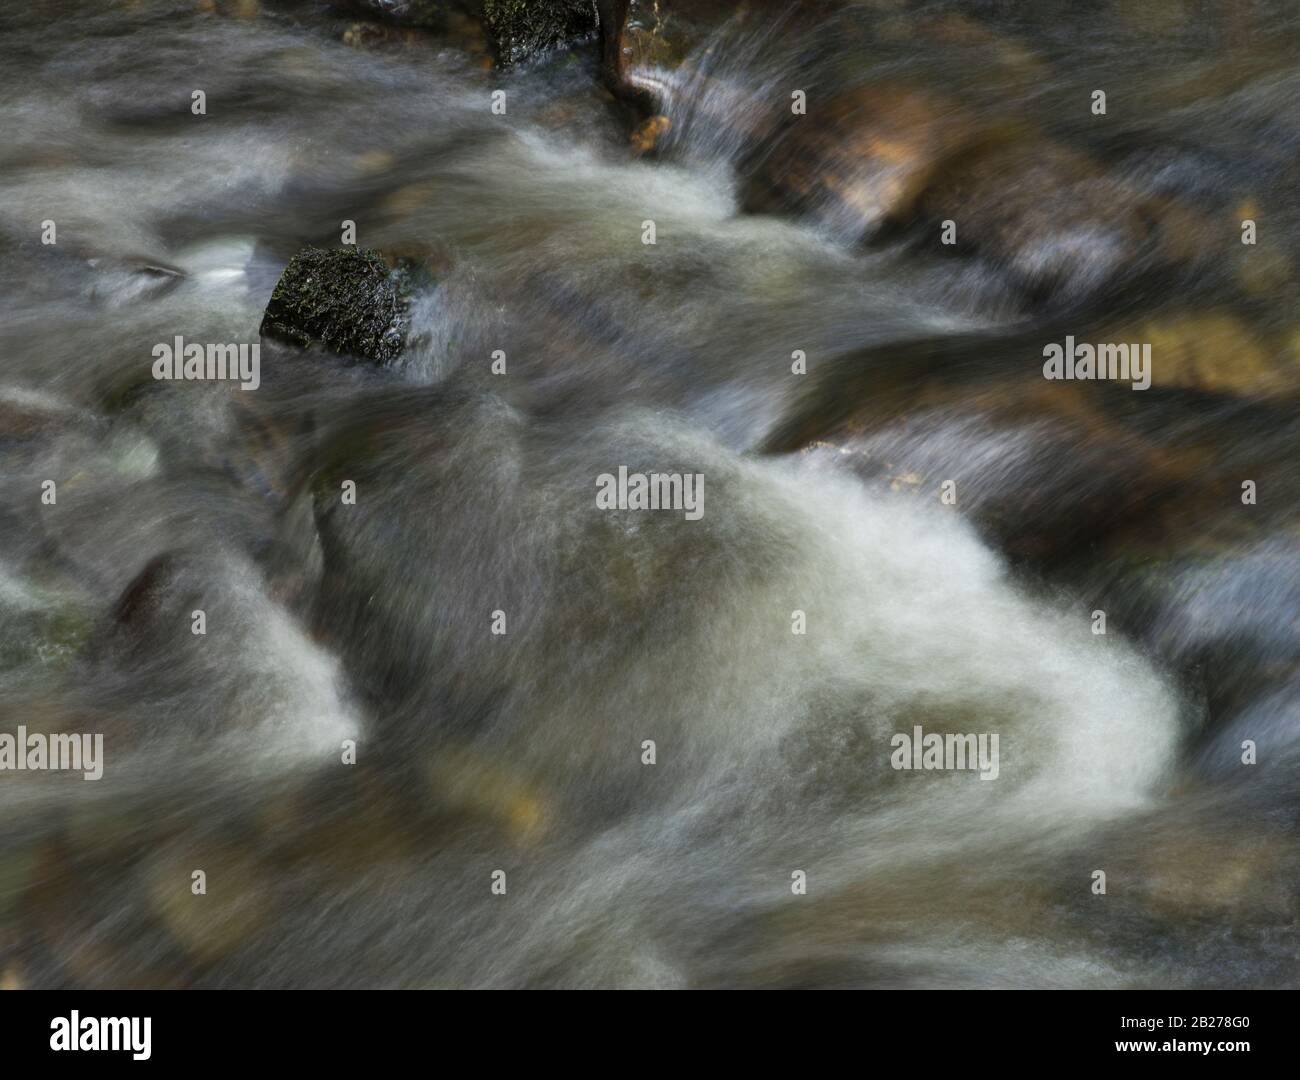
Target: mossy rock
[[518, 29], [347, 300], [521, 29]]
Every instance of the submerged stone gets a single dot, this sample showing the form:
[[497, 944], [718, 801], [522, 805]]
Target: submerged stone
[[348, 300], [1214, 352], [1051, 217], [864, 158], [234, 902]]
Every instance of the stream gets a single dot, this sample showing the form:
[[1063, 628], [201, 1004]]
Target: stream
[[916, 531]]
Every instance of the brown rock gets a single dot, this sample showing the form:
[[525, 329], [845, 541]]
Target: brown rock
[[647, 133], [1203, 872], [21, 420], [865, 158], [468, 782], [1048, 215], [643, 41], [1215, 352], [237, 901], [1041, 467]]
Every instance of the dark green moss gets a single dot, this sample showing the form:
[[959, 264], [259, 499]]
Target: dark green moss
[[347, 300]]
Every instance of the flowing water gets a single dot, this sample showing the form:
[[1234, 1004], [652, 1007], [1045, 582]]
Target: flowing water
[[523, 751]]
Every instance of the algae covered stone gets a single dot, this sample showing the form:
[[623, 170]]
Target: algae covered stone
[[517, 29], [521, 29], [349, 301]]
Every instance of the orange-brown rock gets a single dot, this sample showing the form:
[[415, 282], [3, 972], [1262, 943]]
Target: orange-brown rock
[[647, 133], [865, 158], [1215, 352]]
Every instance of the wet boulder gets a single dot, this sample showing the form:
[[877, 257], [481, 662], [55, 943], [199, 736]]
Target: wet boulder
[[1049, 216], [28, 417], [633, 45], [647, 134], [210, 925], [1213, 352], [1040, 469], [349, 301], [518, 29], [864, 159], [521, 29], [644, 41]]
